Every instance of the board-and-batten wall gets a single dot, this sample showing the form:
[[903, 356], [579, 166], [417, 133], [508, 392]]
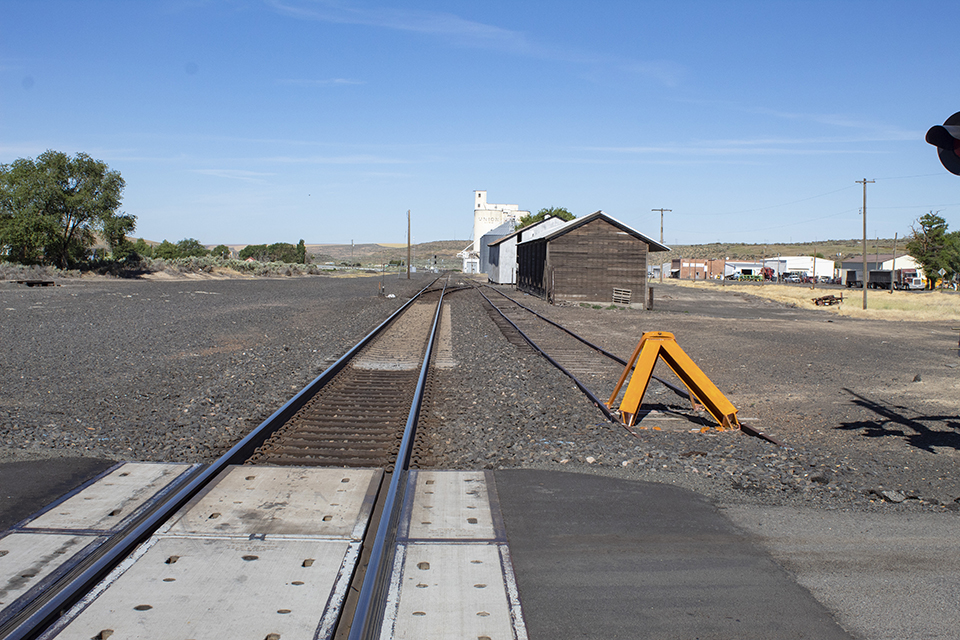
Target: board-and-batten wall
[[588, 262]]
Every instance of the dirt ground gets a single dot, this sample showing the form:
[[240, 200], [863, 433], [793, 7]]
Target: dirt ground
[[856, 390]]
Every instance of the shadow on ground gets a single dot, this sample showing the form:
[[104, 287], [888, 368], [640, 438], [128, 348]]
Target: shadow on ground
[[922, 432]]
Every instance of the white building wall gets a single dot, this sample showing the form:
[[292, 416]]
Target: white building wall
[[505, 271], [809, 265], [902, 262], [487, 216], [778, 265]]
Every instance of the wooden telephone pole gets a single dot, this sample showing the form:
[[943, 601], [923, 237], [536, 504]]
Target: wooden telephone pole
[[661, 236], [866, 273]]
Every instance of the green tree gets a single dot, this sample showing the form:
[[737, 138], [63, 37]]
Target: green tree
[[556, 212], [166, 250], [51, 208], [276, 252], [221, 251], [256, 251], [282, 252], [23, 238], [951, 255], [927, 245], [141, 248], [191, 248], [115, 232]]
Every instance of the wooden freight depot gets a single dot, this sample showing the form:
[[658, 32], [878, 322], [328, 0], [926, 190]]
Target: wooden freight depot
[[593, 259]]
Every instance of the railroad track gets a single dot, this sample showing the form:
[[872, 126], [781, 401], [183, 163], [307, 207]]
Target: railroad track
[[593, 369], [361, 412], [357, 420]]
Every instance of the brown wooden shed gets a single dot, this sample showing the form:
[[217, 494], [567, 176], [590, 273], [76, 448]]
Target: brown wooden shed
[[594, 259]]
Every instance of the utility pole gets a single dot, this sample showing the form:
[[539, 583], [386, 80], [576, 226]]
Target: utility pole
[[661, 237], [893, 267], [814, 266], [866, 273], [408, 244]]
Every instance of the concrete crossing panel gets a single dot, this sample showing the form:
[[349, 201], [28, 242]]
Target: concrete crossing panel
[[283, 501], [26, 559], [451, 590], [267, 552], [452, 575], [220, 588], [451, 505], [105, 504]]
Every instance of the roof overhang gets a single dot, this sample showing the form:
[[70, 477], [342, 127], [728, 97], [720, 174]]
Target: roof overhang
[[600, 215]]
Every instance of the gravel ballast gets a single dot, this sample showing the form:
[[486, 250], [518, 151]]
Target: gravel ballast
[[169, 370], [180, 370]]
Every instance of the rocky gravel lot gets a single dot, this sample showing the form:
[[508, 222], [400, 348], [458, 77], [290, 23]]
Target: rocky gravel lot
[[180, 370], [868, 410], [168, 370]]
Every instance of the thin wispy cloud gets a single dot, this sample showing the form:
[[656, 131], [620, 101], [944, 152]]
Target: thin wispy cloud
[[461, 32], [435, 23], [22, 150], [666, 72], [235, 174], [347, 160], [329, 82], [879, 130], [720, 148], [869, 130]]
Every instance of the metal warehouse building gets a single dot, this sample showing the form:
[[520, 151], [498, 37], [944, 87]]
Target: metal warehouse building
[[595, 259], [503, 252]]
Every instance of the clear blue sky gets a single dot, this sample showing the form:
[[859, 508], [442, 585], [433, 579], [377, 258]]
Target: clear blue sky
[[264, 121]]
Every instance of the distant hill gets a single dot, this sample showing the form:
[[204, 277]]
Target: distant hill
[[835, 250], [371, 254]]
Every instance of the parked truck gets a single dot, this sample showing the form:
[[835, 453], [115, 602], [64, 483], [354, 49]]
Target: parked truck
[[899, 279], [853, 279], [908, 279], [881, 279]]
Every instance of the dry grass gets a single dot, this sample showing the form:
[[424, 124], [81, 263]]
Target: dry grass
[[926, 306]]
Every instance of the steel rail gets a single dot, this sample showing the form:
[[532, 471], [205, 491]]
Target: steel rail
[[34, 619], [368, 616], [586, 391], [680, 391]]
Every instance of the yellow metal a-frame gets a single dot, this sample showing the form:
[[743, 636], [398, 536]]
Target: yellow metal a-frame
[[661, 344]]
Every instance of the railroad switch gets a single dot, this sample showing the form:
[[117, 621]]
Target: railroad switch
[[703, 393]]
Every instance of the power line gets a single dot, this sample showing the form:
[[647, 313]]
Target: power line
[[775, 206], [922, 175]]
